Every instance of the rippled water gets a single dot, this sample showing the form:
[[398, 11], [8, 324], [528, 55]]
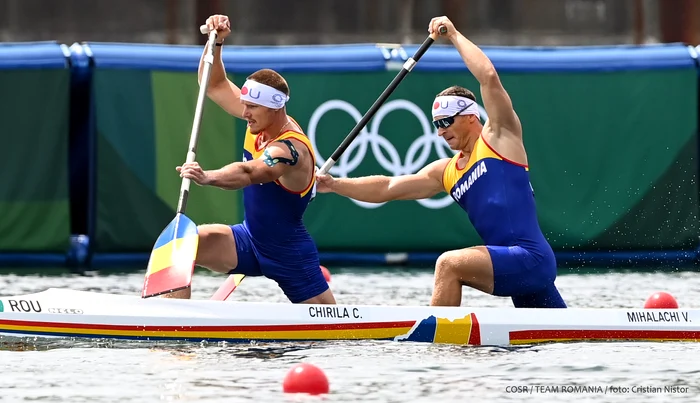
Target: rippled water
[[84, 371]]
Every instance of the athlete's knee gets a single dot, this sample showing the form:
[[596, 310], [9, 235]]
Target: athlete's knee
[[325, 298], [216, 249], [446, 264], [314, 289], [210, 234], [547, 297]]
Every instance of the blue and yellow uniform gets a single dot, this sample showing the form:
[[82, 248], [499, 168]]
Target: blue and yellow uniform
[[497, 195], [272, 241]]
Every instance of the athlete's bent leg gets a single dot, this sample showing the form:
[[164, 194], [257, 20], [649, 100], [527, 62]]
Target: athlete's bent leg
[[217, 248], [301, 280], [456, 268], [216, 251], [526, 275], [304, 286]]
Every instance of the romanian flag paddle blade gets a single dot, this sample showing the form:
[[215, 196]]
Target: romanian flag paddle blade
[[227, 287], [171, 264]]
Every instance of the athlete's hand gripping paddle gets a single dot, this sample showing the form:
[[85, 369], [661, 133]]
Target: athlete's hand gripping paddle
[[407, 67], [171, 264]]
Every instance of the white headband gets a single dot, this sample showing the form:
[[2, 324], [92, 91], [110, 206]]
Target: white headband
[[448, 105], [264, 95]]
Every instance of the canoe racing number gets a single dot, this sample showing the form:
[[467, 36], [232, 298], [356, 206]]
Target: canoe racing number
[[29, 306], [334, 312], [68, 311], [20, 305]]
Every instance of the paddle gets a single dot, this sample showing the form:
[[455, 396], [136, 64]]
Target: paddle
[[407, 67], [171, 263], [231, 283]]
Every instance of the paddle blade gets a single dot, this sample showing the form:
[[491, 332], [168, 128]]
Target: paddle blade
[[227, 287], [172, 259]]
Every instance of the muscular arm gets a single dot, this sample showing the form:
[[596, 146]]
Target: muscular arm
[[378, 189], [278, 158], [221, 90], [497, 102]]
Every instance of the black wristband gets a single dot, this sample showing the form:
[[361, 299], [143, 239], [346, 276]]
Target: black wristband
[[219, 44]]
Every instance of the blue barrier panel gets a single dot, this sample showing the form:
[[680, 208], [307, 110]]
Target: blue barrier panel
[[239, 59], [33, 55], [35, 220]]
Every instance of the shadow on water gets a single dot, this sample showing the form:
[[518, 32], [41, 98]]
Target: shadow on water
[[253, 350], [12, 343], [241, 350]]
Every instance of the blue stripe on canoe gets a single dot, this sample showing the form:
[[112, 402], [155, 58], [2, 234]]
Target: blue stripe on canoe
[[182, 224]]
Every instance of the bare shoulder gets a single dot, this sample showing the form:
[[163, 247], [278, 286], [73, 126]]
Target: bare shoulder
[[291, 147], [436, 168], [302, 147], [508, 143], [512, 127], [295, 154]]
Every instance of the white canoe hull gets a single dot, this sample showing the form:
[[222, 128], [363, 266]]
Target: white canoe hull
[[68, 313]]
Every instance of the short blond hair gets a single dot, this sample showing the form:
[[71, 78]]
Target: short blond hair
[[271, 78], [458, 91]]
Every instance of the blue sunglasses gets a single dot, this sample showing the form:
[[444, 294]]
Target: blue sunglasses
[[449, 120]]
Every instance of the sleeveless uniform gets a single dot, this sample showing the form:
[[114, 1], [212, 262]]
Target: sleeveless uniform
[[272, 241], [497, 195]]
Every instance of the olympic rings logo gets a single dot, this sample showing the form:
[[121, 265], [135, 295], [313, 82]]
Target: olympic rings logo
[[370, 138]]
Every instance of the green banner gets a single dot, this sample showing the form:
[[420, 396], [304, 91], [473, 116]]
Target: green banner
[[613, 158], [34, 122], [144, 120]]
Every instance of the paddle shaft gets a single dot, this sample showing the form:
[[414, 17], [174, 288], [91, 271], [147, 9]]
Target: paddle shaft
[[407, 67], [197, 122]]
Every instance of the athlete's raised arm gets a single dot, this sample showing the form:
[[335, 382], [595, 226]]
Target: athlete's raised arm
[[221, 90], [497, 102], [378, 189]]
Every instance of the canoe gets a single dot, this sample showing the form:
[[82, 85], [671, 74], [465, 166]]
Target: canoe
[[81, 314]]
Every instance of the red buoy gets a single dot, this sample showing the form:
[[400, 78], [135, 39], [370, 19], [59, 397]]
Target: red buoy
[[326, 273], [306, 378], [661, 300]]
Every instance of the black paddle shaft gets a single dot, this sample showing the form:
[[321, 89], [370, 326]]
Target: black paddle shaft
[[407, 67]]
